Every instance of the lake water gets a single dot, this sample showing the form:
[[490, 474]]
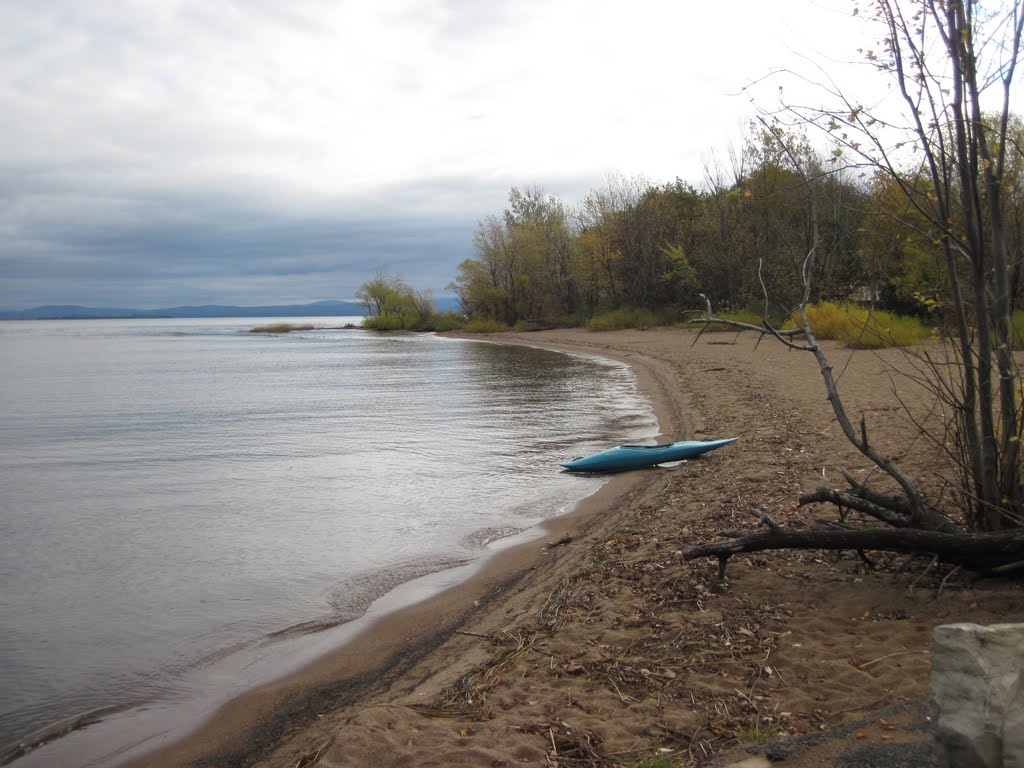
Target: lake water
[[174, 493]]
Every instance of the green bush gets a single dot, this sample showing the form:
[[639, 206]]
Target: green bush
[[577, 320], [622, 318], [383, 322], [484, 325], [527, 326], [748, 316], [861, 328], [446, 321], [1017, 329]]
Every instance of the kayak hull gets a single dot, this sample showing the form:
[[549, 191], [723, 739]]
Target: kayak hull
[[623, 457]]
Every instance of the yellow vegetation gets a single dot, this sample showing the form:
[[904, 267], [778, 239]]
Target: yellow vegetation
[[860, 327]]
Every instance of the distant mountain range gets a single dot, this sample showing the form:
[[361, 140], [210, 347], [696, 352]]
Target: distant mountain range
[[316, 309]]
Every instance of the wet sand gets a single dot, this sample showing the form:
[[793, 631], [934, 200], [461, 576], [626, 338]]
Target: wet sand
[[597, 644]]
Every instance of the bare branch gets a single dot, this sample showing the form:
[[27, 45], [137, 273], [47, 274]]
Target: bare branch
[[857, 503]]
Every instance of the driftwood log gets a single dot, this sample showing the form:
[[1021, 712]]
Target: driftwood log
[[986, 553]]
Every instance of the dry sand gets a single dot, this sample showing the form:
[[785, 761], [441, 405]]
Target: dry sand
[[601, 646]]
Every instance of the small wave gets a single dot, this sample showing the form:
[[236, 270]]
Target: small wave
[[11, 752], [351, 598], [306, 628], [483, 537]]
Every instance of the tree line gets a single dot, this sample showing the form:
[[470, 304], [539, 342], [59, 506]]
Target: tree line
[[740, 239]]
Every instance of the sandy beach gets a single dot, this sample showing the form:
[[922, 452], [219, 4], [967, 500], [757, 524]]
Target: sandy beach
[[599, 645]]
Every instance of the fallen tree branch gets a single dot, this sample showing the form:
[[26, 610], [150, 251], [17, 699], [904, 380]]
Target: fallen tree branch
[[763, 519], [979, 552], [889, 508], [858, 503], [888, 500]]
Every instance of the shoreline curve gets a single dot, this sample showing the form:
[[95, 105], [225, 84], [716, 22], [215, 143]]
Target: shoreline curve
[[252, 723]]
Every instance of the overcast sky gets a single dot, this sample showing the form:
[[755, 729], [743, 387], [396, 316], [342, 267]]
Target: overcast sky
[[166, 152]]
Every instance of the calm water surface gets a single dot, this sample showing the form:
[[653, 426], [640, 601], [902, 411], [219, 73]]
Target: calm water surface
[[176, 491]]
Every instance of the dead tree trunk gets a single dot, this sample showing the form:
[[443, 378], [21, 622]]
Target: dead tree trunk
[[987, 553]]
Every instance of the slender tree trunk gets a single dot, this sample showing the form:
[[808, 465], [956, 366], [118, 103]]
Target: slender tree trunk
[[992, 168], [991, 296]]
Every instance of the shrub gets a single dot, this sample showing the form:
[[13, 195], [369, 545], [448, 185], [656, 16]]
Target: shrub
[[446, 321], [748, 316], [383, 322], [484, 325], [862, 328], [575, 320], [1017, 329], [622, 318], [442, 321], [527, 326]]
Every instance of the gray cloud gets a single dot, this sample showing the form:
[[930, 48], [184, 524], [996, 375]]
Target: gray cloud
[[165, 250], [254, 152]]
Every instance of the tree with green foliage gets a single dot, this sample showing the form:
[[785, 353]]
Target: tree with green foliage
[[523, 268], [897, 245], [599, 258], [391, 303], [538, 224], [722, 257], [634, 246]]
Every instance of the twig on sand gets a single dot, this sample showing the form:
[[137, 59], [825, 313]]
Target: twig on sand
[[311, 757], [888, 656], [473, 634], [951, 574]]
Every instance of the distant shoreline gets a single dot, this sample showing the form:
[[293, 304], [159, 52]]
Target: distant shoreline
[[76, 312]]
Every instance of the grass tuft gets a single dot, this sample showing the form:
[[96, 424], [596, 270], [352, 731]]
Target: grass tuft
[[756, 732], [655, 761]]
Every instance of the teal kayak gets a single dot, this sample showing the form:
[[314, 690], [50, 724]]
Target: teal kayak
[[623, 457]]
